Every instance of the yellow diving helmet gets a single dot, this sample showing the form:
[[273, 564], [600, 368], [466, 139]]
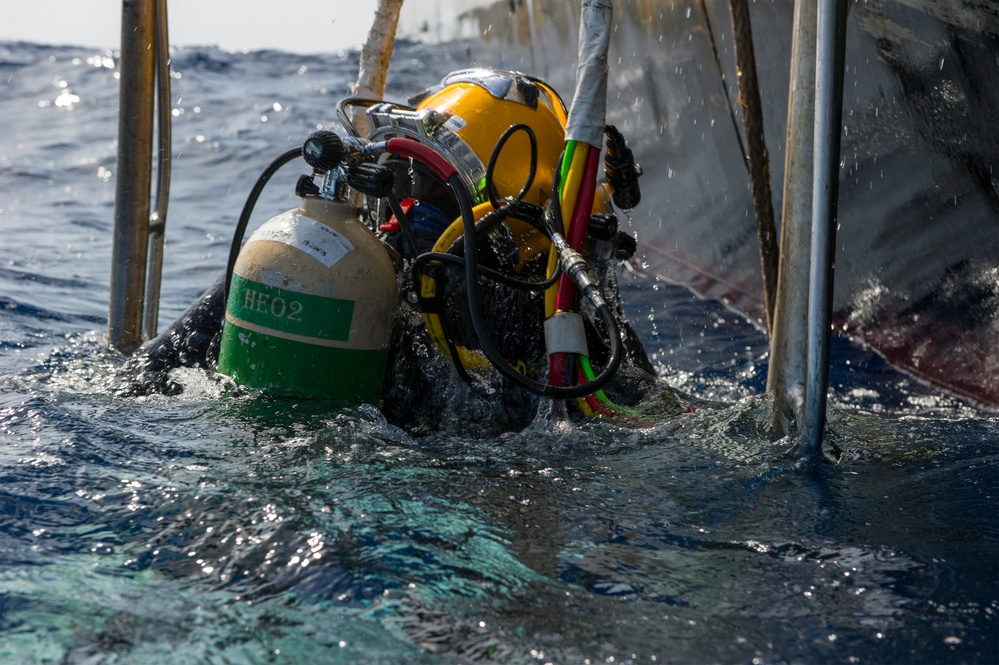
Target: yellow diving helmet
[[464, 119], [477, 107], [481, 104]]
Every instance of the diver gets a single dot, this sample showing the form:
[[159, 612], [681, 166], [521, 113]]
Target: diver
[[457, 240]]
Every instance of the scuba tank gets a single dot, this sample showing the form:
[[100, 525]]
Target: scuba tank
[[312, 295]]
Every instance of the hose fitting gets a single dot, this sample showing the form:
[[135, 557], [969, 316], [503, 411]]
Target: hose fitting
[[574, 265]]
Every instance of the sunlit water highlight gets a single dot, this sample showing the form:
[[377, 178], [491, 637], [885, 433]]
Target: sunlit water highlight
[[211, 528]]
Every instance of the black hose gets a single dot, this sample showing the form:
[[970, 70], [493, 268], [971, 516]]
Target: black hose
[[244, 217], [494, 157], [516, 209], [487, 222], [485, 341], [422, 260]]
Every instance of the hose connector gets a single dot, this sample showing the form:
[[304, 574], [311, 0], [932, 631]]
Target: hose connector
[[574, 265]]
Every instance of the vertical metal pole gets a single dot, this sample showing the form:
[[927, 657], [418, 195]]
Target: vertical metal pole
[[157, 221], [830, 50], [788, 354], [758, 160], [134, 174]]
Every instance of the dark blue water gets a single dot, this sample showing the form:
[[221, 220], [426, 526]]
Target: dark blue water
[[204, 528]]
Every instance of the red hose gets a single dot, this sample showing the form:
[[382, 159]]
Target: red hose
[[427, 155], [564, 299]]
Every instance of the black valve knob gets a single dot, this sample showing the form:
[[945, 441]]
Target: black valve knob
[[603, 225], [323, 150], [627, 245], [371, 179], [306, 187]]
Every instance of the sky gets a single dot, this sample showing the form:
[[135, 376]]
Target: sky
[[297, 26]]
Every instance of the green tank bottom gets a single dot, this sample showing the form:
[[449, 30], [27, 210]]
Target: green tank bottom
[[289, 368]]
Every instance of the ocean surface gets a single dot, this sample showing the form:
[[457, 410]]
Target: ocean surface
[[208, 528]]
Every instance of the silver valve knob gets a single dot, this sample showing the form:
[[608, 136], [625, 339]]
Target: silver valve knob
[[323, 150]]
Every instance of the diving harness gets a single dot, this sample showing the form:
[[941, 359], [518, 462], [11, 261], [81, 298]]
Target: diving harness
[[464, 188]]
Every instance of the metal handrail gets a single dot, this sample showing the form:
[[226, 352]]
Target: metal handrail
[[830, 51], [799, 347], [134, 294], [157, 221], [788, 354]]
